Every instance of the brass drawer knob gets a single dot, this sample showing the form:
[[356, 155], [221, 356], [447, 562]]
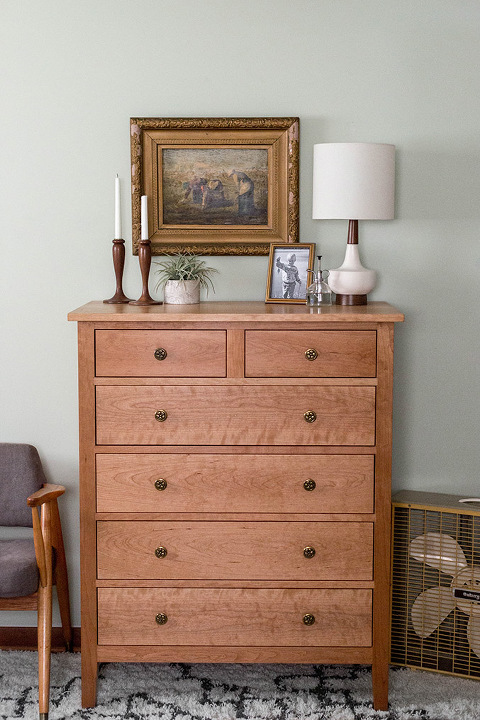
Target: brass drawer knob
[[161, 415], [309, 484], [160, 484], [309, 552], [160, 354], [310, 416], [308, 619], [311, 354], [161, 552], [161, 618]]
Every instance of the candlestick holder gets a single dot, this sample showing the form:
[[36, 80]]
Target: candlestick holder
[[118, 252], [145, 259]]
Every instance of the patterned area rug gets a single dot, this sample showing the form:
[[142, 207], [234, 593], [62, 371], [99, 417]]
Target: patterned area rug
[[231, 692]]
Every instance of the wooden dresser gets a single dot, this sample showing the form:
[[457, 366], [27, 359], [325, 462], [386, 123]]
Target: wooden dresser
[[234, 482]]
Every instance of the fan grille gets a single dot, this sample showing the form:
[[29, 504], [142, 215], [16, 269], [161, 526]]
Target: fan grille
[[447, 648]]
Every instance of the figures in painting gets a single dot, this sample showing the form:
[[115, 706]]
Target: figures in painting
[[245, 187], [214, 195], [207, 193], [196, 187], [211, 193]]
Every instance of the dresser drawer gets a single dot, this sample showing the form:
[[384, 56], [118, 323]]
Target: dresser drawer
[[235, 415], [160, 353], [263, 617], [310, 353], [234, 550], [235, 483]]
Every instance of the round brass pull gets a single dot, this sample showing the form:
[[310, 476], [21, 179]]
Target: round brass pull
[[308, 619], [161, 618], [160, 354], [310, 416], [161, 552], [309, 484], [309, 552], [311, 354], [160, 484], [161, 415]]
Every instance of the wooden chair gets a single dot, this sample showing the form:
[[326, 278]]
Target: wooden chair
[[29, 568]]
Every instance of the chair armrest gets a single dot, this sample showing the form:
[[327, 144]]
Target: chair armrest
[[47, 533], [46, 494]]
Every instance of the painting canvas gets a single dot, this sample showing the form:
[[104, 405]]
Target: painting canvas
[[215, 186]]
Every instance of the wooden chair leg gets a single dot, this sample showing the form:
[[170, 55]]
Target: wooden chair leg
[[61, 577], [45, 615], [64, 603], [44, 648]]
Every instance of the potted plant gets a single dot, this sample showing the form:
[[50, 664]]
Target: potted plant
[[182, 275]]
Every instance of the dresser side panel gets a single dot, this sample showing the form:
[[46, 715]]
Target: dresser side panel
[[383, 470], [86, 372]]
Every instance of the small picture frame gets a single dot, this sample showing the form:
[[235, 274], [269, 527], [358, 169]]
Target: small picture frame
[[287, 278]]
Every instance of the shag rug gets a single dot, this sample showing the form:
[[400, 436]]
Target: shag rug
[[231, 692]]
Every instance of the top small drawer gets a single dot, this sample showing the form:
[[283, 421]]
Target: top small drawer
[[310, 353], [160, 353]]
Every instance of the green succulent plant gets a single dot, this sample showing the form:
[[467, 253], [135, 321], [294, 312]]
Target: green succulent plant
[[185, 266]]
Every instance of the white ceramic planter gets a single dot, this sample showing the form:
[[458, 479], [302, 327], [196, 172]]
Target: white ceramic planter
[[182, 292]]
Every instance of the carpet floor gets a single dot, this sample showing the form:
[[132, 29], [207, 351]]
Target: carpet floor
[[231, 692]]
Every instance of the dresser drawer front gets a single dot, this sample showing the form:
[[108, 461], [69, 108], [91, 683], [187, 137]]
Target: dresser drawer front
[[310, 353], [235, 415], [235, 483], [179, 353], [234, 550], [206, 616]]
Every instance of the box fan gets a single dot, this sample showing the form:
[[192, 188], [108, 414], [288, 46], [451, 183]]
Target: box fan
[[436, 583]]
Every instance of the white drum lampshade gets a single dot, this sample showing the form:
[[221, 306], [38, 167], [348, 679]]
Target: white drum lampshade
[[353, 181]]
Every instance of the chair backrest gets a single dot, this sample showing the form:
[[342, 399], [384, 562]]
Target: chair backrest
[[21, 474]]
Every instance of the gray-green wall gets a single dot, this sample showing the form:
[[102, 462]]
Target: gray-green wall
[[407, 73]]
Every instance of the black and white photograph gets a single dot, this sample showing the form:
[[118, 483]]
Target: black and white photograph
[[287, 278]]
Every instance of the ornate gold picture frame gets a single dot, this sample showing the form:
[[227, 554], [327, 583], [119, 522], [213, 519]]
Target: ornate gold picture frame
[[215, 186]]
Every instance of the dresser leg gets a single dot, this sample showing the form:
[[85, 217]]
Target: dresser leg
[[89, 682], [380, 685]]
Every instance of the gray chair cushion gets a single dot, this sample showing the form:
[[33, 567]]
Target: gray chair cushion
[[21, 474], [18, 568]]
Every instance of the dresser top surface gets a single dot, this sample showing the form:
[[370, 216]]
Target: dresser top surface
[[245, 311]]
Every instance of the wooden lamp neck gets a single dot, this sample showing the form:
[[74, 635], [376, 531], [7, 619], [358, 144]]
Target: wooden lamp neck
[[352, 232]]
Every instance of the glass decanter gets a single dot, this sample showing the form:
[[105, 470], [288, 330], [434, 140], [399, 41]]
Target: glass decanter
[[318, 292]]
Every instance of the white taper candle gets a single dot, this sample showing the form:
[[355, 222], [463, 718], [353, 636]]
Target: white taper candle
[[144, 217], [118, 218]]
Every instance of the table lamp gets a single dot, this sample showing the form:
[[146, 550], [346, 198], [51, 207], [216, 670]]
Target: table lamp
[[353, 181]]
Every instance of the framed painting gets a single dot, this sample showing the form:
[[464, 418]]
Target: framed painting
[[215, 186], [287, 278]]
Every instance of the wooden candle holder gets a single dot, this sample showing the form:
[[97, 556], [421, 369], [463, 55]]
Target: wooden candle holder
[[118, 252], [145, 259]]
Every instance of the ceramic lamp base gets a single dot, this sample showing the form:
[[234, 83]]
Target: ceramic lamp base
[[351, 282]]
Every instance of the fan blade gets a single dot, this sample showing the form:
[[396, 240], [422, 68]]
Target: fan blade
[[473, 634], [430, 609], [439, 551]]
